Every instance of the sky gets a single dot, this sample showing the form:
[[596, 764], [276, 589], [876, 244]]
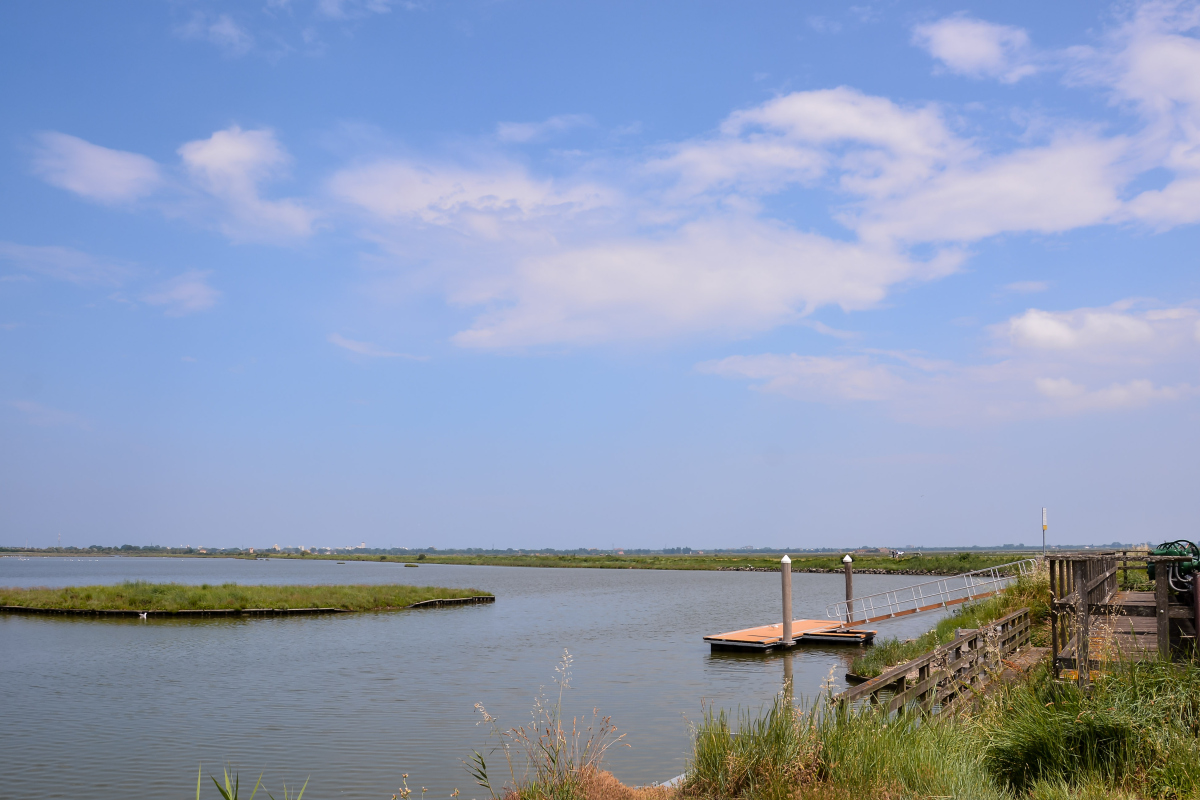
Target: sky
[[522, 274]]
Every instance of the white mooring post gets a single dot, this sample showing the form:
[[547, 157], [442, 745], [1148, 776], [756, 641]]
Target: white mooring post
[[785, 569], [848, 565]]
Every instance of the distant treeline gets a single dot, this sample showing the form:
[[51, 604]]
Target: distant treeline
[[133, 549]]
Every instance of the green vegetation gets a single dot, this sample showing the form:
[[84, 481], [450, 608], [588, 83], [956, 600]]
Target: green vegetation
[[1028, 591], [934, 564], [550, 759], [1134, 735], [142, 596]]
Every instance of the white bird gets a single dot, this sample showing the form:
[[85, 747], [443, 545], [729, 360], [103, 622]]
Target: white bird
[[142, 614]]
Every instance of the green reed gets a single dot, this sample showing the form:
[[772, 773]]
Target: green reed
[[143, 596]]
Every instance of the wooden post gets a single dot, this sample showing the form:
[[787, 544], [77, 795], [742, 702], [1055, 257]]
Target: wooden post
[[785, 569], [1083, 631], [1162, 601], [1196, 614], [926, 697], [847, 563], [1054, 598]]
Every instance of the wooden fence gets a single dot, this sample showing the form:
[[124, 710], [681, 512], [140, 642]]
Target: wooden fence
[[948, 674]]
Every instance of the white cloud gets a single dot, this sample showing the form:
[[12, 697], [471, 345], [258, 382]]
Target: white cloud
[[977, 48], [1054, 364], [687, 239], [46, 417], [94, 172], [221, 31], [538, 131], [183, 294], [65, 264], [368, 349], [1151, 63], [1116, 332], [478, 199], [723, 275], [1070, 183], [230, 165], [1071, 397]]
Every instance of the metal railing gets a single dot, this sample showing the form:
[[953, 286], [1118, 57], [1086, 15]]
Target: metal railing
[[931, 595]]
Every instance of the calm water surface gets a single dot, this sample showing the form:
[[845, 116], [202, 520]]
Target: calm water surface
[[119, 708]]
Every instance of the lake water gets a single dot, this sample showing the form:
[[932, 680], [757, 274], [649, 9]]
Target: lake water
[[130, 709]]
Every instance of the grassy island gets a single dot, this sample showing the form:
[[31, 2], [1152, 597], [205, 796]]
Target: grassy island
[[175, 597]]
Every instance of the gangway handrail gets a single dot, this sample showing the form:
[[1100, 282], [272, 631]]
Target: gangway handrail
[[916, 599]]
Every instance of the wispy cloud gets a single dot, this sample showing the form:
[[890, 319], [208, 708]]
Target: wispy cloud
[[1044, 364], [1027, 287], [537, 131], [231, 165], [185, 294], [95, 172], [46, 417], [66, 264], [368, 349], [220, 30]]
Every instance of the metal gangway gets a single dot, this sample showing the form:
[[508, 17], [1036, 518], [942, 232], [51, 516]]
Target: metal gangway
[[929, 596]]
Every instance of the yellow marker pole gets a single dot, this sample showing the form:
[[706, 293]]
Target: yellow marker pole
[[1043, 534]]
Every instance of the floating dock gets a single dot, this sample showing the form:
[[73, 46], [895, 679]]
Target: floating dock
[[770, 637]]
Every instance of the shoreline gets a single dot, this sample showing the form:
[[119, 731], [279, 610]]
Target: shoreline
[[142, 598], [243, 612]]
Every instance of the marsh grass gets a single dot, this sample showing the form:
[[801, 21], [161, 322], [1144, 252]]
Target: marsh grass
[[1032, 591], [143, 596], [1135, 734], [548, 759], [766, 755], [1135, 731]]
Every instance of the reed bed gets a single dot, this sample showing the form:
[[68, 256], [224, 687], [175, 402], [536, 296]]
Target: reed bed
[[1135, 734], [143, 596]]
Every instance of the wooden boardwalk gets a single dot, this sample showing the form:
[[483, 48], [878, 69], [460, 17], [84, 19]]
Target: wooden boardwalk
[[1094, 624], [770, 637]]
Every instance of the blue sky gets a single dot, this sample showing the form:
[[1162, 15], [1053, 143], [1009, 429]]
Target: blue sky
[[559, 275]]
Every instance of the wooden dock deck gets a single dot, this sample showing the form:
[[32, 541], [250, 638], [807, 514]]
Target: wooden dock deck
[[770, 637], [1095, 623]]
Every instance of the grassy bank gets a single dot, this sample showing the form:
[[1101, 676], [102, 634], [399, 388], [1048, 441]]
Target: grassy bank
[[142, 596], [939, 564], [1029, 591], [1134, 735]]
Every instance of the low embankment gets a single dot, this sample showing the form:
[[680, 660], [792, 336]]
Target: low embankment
[[939, 564], [137, 597]]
